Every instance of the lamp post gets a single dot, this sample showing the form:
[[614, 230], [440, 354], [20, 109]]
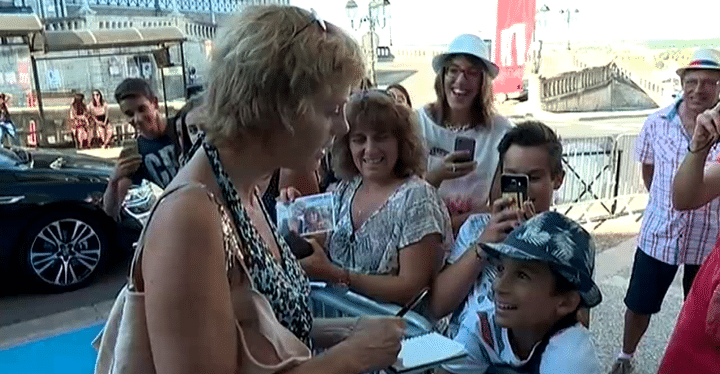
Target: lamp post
[[377, 15], [538, 51], [568, 12]]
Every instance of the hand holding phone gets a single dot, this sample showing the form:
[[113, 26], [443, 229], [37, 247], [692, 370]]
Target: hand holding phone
[[514, 186], [467, 145]]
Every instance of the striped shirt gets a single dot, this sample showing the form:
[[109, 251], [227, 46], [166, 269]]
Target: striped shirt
[[671, 236]]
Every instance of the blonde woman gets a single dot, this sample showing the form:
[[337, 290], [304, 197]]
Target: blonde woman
[[279, 79]]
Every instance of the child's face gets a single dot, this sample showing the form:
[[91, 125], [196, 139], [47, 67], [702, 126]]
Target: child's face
[[525, 297], [533, 161]]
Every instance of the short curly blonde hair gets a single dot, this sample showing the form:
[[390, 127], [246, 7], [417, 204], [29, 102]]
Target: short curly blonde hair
[[377, 110], [268, 63]]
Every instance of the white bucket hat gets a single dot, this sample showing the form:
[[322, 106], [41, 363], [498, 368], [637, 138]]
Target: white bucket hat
[[467, 44], [705, 58]]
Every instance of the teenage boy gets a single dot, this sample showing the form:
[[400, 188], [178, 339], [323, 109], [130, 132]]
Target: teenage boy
[[544, 276], [531, 148], [157, 145]]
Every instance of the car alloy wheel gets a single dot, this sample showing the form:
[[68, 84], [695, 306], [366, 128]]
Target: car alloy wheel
[[65, 252]]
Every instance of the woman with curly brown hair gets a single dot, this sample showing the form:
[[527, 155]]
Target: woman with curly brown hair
[[392, 228]]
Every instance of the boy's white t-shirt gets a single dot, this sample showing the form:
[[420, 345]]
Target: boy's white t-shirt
[[569, 351], [472, 190]]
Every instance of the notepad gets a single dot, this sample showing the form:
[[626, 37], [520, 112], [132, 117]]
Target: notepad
[[426, 351]]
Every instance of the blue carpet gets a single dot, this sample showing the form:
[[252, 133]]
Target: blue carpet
[[69, 353]]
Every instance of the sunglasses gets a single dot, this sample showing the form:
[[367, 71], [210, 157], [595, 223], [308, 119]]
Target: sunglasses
[[314, 18]]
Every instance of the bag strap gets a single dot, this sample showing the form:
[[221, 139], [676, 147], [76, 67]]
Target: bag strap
[[133, 277], [232, 258]]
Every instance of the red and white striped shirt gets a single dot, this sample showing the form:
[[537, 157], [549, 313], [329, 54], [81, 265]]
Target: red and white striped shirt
[[671, 236]]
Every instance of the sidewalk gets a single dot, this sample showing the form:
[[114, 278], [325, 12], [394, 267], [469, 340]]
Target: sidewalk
[[612, 274]]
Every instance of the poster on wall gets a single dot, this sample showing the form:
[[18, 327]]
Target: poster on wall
[[133, 71], [147, 70], [53, 80], [114, 66]]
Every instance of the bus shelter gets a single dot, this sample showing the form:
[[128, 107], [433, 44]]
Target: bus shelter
[[44, 45]]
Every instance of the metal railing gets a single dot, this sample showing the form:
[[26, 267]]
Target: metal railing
[[331, 302], [602, 179]]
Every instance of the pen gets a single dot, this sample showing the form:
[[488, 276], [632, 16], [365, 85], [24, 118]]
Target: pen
[[413, 303]]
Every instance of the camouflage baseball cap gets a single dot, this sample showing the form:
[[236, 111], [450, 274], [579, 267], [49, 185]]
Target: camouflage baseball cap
[[561, 242]]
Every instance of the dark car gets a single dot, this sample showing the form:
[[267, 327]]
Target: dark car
[[54, 232]]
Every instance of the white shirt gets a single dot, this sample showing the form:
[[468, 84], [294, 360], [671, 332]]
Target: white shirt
[[570, 351], [472, 190]]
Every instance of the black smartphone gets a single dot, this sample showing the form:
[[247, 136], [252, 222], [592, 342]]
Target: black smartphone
[[514, 186], [463, 143], [300, 247]]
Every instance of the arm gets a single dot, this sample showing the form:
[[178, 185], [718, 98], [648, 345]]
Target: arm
[[455, 281], [114, 195], [327, 332], [190, 318], [692, 186], [647, 174], [415, 272]]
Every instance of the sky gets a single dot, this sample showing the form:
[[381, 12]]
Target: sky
[[422, 22]]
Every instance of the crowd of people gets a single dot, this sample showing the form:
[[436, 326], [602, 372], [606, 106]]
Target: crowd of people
[[286, 112]]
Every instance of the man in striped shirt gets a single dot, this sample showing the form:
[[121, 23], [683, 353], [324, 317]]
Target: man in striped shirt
[[668, 237]]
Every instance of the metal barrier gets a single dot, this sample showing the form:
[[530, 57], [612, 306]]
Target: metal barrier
[[332, 302], [602, 179]]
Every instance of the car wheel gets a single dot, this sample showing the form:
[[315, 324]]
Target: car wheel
[[64, 251]]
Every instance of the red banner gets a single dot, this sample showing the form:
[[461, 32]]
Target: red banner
[[513, 37]]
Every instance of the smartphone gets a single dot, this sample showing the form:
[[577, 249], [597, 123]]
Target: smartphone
[[129, 148], [514, 186], [300, 247], [463, 143]]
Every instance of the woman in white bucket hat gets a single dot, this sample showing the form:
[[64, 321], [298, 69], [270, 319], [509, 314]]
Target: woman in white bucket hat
[[463, 117]]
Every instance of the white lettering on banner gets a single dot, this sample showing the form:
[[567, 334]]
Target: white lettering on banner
[[515, 33], [162, 169]]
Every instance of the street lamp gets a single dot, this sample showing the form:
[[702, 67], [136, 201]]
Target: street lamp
[[537, 54], [377, 15], [568, 12]]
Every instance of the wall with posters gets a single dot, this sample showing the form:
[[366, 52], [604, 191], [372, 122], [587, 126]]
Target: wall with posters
[[513, 38]]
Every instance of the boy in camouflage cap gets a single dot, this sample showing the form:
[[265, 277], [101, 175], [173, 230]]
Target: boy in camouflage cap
[[529, 324]]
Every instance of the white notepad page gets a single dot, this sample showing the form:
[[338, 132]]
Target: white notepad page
[[427, 349]]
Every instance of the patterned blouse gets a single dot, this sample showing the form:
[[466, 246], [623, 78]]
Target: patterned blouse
[[413, 211], [284, 284]]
